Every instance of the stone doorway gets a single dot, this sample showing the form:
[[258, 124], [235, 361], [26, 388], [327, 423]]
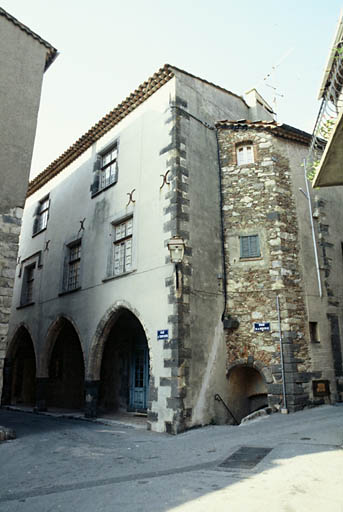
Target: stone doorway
[[20, 371], [247, 391], [66, 370], [124, 375]]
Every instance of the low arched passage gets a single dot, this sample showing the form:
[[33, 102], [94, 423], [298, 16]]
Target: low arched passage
[[120, 360], [247, 390], [20, 369], [65, 366]]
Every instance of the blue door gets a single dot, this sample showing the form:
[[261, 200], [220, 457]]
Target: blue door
[[139, 378]]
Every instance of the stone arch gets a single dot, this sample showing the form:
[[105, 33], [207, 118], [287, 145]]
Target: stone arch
[[101, 333], [261, 367], [11, 345], [20, 366], [63, 363], [52, 334], [248, 382]]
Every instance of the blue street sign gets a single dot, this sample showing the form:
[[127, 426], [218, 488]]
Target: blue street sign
[[163, 334], [262, 327]]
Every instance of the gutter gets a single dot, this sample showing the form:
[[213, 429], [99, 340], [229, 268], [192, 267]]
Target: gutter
[[221, 201]]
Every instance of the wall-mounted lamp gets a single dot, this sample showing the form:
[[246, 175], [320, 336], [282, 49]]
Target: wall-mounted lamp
[[176, 246]]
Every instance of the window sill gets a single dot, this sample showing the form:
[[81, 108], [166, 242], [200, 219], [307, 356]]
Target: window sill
[[110, 278], [39, 232], [255, 258], [69, 291], [22, 306], [103, 189]]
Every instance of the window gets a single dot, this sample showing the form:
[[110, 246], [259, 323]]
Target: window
[[314, 337], [245, 154], [27, 289], [41, 215], [250, 246], [106, 170], [122, 247], [73, 267]]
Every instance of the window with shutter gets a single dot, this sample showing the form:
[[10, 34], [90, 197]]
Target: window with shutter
[[27, 296], [106, 170], [41, 216], [245, 154], [250, 246]]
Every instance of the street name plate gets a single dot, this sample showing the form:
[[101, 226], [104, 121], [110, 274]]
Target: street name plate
[[262, 326], [163, 334]]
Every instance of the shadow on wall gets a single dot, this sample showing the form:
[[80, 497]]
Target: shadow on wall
[[124, 377], [66, 371], [20, 371], [247, 391]]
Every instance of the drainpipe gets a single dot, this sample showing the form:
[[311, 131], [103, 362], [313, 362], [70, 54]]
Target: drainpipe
[[308, 197], [221, 201], [284, 409]]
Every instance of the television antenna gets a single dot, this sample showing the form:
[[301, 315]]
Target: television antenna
[[270, 76]]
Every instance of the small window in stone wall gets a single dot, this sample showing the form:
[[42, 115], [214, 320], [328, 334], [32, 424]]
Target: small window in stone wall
[[245, 153], [314, 333], [250, 246]]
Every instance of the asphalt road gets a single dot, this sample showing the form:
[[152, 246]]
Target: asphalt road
[[73, 465]]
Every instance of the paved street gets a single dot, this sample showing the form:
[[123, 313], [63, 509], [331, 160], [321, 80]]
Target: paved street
[[73, 465]]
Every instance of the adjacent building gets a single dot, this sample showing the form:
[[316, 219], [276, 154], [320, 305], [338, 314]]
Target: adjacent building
[[153, 255], [282, 270], [24, 57], [328, 166]]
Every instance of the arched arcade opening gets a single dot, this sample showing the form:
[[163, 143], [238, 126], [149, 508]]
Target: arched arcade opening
[[247, 391], [124, 374], [66, 369], [20, 370]]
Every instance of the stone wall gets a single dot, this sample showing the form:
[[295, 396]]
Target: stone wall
[[258, 200], [9, 238]]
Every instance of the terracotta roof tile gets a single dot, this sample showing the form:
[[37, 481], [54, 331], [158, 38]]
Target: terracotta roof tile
[[281, 130], [144, 91]]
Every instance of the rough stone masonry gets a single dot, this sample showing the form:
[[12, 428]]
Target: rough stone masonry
[[258, 200], [10, 223]]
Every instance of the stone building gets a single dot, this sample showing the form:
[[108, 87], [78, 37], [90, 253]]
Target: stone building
[[24, 57], [270, 258], [106, 318]]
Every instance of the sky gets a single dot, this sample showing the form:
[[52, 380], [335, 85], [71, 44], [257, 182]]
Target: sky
[[108, 47]]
